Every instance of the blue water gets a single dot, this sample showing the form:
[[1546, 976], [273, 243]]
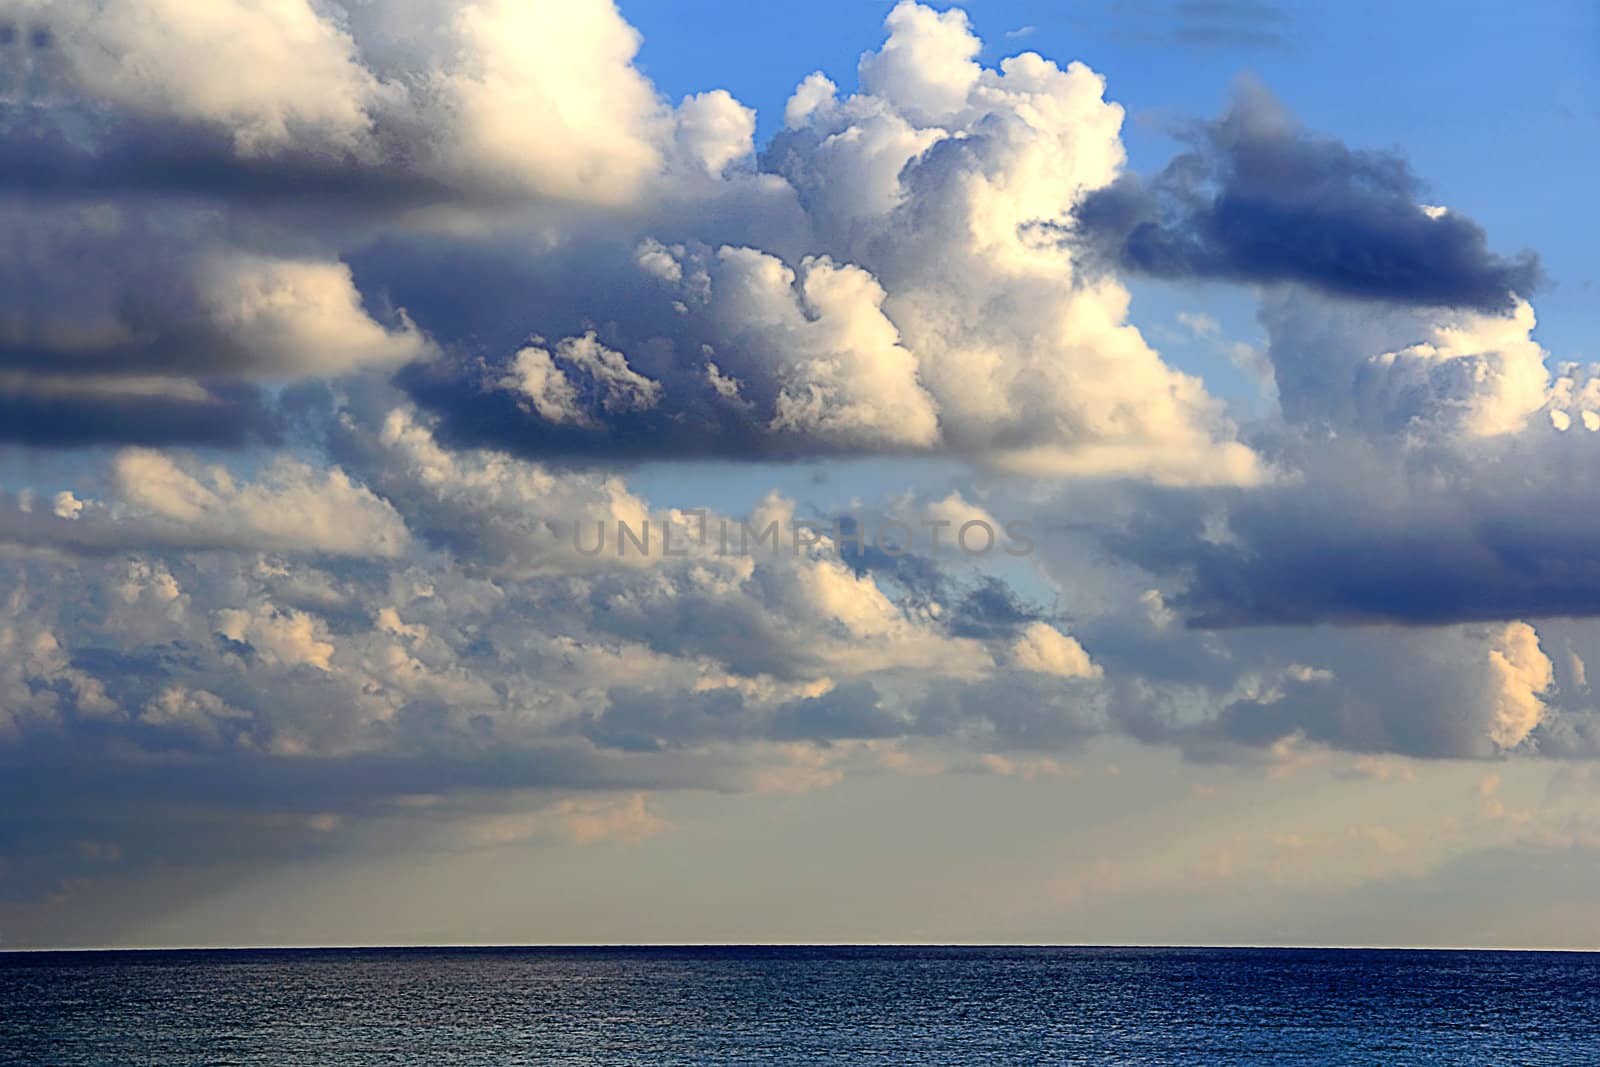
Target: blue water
[[441, 1007]]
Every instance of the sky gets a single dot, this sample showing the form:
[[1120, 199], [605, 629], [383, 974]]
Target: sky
[[508, 472]]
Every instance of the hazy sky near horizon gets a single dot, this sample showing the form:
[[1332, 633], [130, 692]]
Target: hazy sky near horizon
[[1260, 336]]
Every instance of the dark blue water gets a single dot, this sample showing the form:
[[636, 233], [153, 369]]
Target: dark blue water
[[440, 1007]]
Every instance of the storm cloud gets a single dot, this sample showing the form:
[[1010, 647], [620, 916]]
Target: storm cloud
[[1256, 198]]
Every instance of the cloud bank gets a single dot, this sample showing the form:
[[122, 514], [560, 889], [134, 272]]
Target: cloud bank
[[325, 326]]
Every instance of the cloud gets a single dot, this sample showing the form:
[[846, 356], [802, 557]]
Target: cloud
[[1419, 533], [610, 383], [1257, 199], [159, 504], [435, 100], [838, 294], [72, 412], [151, 325], [868, 284], [1043, 648], [228, 66], [1416, 447], [1403, 371], [449, 271], [1471, 692]]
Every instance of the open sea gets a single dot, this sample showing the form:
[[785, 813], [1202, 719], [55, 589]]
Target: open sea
[[663, 1006]]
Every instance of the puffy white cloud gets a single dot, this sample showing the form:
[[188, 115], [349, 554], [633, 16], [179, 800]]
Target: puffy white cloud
[[884, 277], [412, 615], [1520, 675], [161, 501], [544, 95], [504, 97], [1043, 648], [943, 179], [145, 323], [551, 395], [1481, 373], [284, 638], [508, 513], [293, 318], [926, 70], [293, 507], [1574, 397], [820, 345], [191, 709], [66, 506], [271, 75], [713, 130], [38, 683], [1354, 366]]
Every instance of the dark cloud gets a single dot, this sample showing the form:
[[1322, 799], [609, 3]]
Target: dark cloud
[[474, 413], [1018, 711], [62, 154], [1258, 199], [232, 415], [1503, 531]]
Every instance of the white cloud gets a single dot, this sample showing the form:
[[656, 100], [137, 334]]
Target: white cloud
[[283, 637], [1520, 676], [1473, 375], [836, 363], [927, 69], [1043, 648], [273, 75], [293, 507], [299, 317], [938, 179], [544, 95]]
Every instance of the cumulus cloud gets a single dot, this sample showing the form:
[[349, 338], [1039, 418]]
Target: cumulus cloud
[[1470, 692], [875, 281], [157, 502], [1418, 443], [1397, 370], [429, 100], [454, 265], [609, 383], [271, 75], [1043, 648], [151, 326], [1368, 536], [1257, 199], [232, 314]]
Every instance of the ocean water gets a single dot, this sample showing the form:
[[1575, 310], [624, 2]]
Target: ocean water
[[441, 1007]]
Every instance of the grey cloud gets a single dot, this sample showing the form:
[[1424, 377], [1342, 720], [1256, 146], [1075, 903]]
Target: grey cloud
[[649, 721], [1257, 199], [1016, 711], [230, 414], [1425, 539]]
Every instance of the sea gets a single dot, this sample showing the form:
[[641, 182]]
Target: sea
[[800, 1005]]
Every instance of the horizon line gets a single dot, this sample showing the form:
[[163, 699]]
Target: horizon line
[[549, 945]]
